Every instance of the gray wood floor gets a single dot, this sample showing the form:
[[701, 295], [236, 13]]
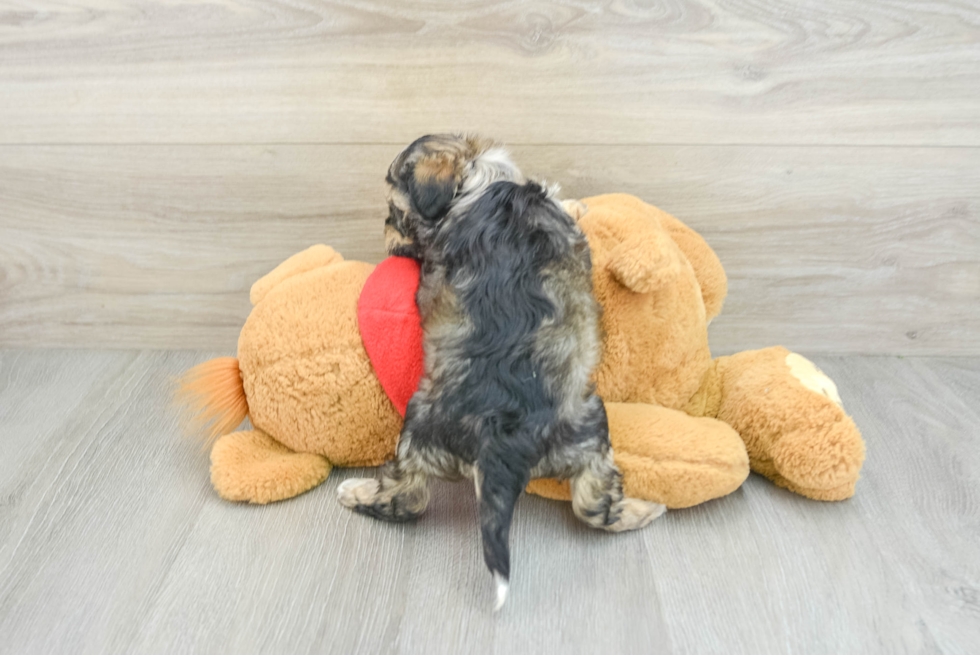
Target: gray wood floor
[[112, 541]]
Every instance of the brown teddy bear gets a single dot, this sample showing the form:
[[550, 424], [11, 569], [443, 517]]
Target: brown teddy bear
[[660, 284], [332, 349]]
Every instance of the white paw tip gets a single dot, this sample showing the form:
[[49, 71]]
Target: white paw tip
[[502, 587], [356, 490]]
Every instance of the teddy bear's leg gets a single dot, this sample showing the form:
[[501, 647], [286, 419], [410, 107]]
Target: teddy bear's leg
[[791, 419], [252, 466], [667, 456]]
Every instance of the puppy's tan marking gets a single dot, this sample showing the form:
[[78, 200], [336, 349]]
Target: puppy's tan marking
[[394, 239], [437, 167]]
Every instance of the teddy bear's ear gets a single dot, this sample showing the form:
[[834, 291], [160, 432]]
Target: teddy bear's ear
[[313, 257], [646, 261]]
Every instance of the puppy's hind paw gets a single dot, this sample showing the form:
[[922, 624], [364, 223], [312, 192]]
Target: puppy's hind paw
[[357, 491], [636, 513]]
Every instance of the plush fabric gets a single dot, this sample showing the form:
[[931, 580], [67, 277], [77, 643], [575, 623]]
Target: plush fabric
[[786, 411], [215, 398], [789, 414], [305, 372], [655, 330], [312, 258], [252, 466], [391, 327], [688, 456], [685, 428]]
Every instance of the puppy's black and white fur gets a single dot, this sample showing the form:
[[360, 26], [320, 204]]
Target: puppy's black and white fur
[[511, 341]]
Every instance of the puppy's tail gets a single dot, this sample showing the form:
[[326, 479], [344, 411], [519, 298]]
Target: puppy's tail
[[500, 482], [212, 397]]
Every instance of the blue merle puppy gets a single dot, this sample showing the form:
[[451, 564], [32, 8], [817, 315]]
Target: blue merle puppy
[[511, 334]]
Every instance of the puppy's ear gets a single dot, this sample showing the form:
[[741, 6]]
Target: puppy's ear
[[432, 184]]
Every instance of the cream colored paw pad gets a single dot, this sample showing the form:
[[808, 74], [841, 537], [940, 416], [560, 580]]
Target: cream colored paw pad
[[812, 377]]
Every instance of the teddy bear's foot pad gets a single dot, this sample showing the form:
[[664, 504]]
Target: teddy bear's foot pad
[[253, 467], [839, 492]]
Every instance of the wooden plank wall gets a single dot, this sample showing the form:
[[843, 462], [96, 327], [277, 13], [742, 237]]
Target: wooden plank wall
[[157, 157]]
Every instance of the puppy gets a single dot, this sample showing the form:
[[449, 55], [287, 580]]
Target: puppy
[[511, 336]]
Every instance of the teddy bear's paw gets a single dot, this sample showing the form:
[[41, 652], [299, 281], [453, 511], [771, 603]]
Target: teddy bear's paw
[[357, 491], [253, 467], [636, 513], [812, 377], [822, 463], [842, 492]]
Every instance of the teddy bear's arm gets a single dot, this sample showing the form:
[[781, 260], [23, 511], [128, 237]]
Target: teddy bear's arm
[[707, 267], [313, 257], [645, 257], [642, 263], [250, 466], [667, 457]]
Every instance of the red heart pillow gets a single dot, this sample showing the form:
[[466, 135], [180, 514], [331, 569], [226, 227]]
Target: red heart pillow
[[391, 327]]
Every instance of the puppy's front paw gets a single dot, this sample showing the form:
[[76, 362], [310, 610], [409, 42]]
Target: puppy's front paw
[[575, 208], [357, 491]]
